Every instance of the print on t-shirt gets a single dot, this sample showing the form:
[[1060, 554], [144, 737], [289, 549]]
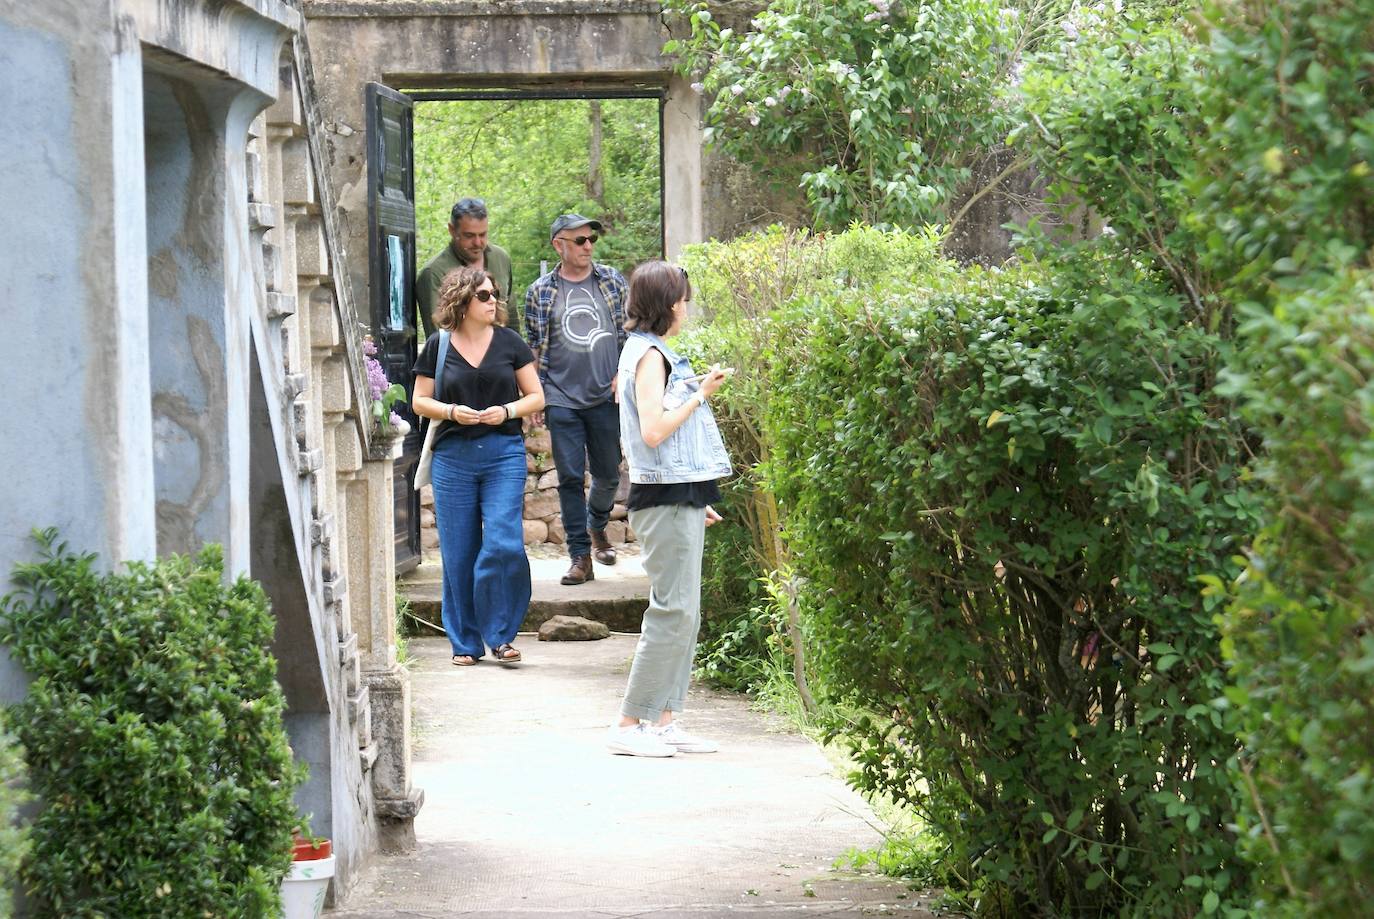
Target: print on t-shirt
[[582, 347], [583, 325]]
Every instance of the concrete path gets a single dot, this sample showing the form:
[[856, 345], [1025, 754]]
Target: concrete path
[[526, 814]]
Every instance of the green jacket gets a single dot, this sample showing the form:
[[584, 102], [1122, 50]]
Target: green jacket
[[432, 275]]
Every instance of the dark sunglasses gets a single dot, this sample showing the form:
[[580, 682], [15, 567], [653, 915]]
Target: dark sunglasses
[[580, 240], [485, 295]]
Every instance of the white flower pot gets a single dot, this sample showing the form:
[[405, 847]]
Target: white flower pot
[[304, 887]]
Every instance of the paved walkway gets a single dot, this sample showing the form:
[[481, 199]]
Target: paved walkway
[[526, 814]]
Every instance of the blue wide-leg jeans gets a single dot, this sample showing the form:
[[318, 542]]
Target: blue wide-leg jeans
[[479, 493]]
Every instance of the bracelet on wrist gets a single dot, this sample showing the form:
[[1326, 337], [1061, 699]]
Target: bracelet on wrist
[[510, 413]]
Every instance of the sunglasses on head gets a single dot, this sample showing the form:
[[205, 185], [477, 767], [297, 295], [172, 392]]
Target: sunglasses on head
[[580, 240], [485, 295]]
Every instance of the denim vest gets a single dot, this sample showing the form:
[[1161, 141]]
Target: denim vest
[[692, 453]]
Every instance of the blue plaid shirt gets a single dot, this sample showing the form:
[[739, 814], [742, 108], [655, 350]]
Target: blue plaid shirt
[[542, 295]]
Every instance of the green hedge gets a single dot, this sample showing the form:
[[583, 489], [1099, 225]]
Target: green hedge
[[13, 837], [1284, 183], [1001, 490], [153, 735]]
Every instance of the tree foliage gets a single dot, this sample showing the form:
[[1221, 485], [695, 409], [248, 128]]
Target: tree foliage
[[879, 110], [531, 161]]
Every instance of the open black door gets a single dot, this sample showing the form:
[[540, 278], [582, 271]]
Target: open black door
[[391, 263]]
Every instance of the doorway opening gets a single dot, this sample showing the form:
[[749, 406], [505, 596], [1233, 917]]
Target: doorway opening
[[532, 155]]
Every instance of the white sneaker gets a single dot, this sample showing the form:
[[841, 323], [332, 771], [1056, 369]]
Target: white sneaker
[[673, 735], [636, 740]]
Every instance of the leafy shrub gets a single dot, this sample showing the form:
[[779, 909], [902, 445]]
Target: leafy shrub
[[13, 837], [154, 738], [1000, 489], [1300, 630], [741, 286], [1285, 204], [878, 111], [734, 636], [1112, 121]]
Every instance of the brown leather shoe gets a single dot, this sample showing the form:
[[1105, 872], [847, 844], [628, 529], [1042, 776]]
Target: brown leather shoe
[[602, 548], [580, 571]]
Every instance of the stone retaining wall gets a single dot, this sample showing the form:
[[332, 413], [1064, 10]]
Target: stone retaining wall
[[543, 523]]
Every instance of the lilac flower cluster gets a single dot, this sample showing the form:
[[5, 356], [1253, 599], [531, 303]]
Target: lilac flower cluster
[[376, 376]]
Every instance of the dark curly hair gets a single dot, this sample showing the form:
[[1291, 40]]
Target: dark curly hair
[[455, 293]]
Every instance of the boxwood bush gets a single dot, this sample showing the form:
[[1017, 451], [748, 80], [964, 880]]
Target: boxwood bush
[[153, 736]]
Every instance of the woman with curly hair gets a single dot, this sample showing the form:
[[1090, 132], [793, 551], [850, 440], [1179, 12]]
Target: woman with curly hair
[[489, 383]]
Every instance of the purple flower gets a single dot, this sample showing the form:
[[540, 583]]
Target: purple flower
[[376, 378]]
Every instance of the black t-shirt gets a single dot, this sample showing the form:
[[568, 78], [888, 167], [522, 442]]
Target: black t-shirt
[[692, 494], [490, 383]]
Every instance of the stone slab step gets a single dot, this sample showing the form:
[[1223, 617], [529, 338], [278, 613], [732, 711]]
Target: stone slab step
[[617, 597]]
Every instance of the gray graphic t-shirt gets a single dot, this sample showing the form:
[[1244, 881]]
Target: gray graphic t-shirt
[[582, 346]]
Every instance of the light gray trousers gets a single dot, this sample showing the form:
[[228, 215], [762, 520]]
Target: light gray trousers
[[671, 537]]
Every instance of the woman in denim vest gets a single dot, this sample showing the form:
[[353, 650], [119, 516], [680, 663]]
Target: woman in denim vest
[[675, 455]]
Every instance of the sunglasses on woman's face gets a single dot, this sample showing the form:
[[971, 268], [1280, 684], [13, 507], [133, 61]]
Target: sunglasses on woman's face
[[486, 295]]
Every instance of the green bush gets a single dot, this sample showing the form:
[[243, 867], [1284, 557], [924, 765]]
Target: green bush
[[153, 735], [13, 837], [1285, 204], [1300, 629], [734, 637], [1000, 489]]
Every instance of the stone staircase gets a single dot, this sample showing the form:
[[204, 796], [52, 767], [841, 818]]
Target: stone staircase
[[349, 700], [617, 597]]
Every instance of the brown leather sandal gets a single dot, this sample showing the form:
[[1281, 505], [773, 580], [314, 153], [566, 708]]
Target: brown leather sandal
[[464, 660], [506, 654]]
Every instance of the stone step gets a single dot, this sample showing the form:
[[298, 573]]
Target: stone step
[[617, 597]]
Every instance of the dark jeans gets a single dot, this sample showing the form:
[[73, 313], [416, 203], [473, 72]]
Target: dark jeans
[[580, 435]]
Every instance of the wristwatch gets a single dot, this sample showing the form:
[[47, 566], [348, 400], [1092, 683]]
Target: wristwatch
[[700, 397]]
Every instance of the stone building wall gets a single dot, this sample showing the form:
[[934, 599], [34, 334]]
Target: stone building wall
[[175, 269]]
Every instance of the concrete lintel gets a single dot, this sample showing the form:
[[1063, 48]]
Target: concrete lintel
[[407, 9], [239, 38]]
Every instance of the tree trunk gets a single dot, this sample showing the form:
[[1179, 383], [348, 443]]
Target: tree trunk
[[596, 189]]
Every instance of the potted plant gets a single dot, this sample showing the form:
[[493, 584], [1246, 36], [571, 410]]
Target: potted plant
[[305, 885]]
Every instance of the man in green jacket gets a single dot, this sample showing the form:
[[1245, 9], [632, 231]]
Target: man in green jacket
[[467, 229]]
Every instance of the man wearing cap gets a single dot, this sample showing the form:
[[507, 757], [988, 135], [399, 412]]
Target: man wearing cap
[[467, 230], [574, 318]]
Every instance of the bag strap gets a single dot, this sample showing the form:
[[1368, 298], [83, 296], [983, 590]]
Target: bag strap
[[444, 347], [438, 372]]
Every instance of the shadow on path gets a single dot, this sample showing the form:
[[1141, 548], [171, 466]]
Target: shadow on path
[[526, 814]]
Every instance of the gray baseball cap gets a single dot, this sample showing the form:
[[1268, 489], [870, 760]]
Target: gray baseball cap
[[572, 222]]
